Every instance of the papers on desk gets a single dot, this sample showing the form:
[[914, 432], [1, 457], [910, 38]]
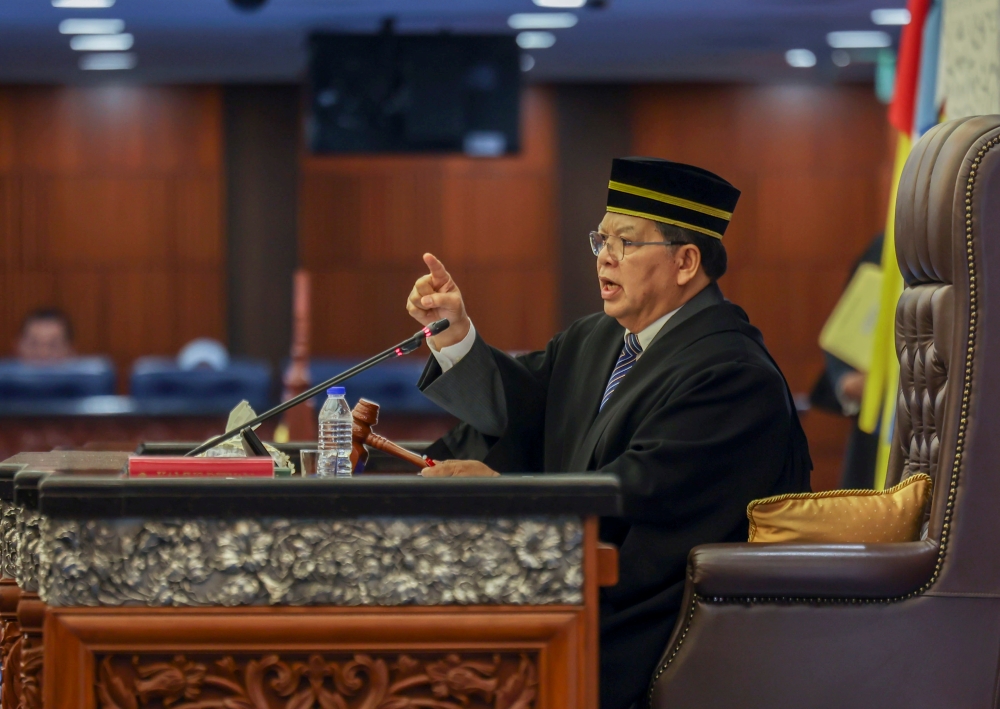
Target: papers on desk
[[241, 414], [850, 330]]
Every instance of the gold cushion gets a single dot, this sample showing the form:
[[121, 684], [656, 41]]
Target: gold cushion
[[843, 516]]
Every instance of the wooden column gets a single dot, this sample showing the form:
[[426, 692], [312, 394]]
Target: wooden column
[[300, 420]]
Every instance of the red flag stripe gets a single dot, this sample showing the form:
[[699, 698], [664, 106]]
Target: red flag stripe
[[908, 67]]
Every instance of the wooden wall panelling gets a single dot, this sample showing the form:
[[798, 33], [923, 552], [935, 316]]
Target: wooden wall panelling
[[6, 133], [593, 129], [111, 209], [83, 294], [119, 129], [812, 163], [141, 306], [365, 221], [121, 222], [8, 214], [263, 125], [23, 291]]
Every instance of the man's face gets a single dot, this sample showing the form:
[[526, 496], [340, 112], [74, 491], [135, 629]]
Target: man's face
[[643, 285], [44, 341]]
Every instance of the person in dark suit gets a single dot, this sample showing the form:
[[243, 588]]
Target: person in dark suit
[[840, 389], [670, 388]]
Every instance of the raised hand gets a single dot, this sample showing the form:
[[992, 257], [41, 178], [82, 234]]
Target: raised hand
[[435, 296]]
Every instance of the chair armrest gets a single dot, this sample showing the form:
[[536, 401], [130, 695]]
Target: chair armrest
[[811, 570]]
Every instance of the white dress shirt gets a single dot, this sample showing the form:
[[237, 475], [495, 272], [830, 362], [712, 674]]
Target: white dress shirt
[[448, 357]]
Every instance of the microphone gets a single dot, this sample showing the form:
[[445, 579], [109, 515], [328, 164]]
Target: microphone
[[403, 348]]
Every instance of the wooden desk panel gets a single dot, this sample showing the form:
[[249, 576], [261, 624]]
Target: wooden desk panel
[[428, 657], [259, 658], [502, 654]]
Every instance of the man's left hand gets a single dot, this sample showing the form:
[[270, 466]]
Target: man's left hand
[[459, 469]]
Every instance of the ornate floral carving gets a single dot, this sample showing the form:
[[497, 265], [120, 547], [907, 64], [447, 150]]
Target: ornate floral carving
[[8, 539], [28, 540], [361, 681], [10, 693], [31, 673], [206, 562]]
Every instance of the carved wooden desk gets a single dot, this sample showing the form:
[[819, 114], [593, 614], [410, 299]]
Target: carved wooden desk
[[10, 593], [371, 593], [21, 610]]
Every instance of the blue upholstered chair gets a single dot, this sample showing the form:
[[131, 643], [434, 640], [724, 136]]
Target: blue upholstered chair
[[74, 378], [392, 384], [159, 379]]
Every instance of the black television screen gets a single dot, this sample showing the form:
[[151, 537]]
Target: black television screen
[[414, 93]]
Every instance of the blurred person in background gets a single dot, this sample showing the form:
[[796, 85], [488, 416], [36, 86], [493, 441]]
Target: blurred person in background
[[203, 353], [46, 337], [840, 389]]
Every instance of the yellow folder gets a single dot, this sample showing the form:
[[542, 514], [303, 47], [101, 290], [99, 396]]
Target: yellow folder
[[849, 331]]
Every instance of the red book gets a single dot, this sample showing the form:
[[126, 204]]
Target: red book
[[175, 466]]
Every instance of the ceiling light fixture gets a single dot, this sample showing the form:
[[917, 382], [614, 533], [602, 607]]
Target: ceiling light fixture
[[840, 57], [101, 42], [76, 26], [564, 4], [108, 61], [527, 62], [891, 16], [542, 20], [83, 4], [863, 39], [535, 40], [800, 58]]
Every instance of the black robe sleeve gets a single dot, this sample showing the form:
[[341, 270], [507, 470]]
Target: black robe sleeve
[[501, 401]]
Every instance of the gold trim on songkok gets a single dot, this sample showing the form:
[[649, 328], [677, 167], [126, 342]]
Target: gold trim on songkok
[[669, 199], [657, 218]]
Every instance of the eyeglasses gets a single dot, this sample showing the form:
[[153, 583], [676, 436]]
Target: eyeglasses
[[617, 246]]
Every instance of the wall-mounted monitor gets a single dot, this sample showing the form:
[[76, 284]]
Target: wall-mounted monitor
[[414, 93]]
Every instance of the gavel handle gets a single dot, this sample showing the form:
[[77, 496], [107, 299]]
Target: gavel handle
[[384, 444]]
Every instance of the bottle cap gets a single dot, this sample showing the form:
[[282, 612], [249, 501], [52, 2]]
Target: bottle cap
[[336, 391]]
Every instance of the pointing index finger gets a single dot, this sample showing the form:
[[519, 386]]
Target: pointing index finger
[[439, 276]]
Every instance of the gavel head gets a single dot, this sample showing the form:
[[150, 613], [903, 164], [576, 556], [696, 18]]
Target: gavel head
[[365, 415], [365, 412]]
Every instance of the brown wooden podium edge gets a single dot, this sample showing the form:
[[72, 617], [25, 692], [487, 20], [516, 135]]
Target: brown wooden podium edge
[[607, 565], [10, 649], [590, 647]]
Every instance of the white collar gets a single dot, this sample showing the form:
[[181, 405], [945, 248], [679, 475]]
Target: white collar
[[649, 333]]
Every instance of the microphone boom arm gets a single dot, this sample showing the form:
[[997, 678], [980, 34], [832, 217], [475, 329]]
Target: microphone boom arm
[[403, 348]]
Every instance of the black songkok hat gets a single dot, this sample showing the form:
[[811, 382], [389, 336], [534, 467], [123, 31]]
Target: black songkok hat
[[672, 193]]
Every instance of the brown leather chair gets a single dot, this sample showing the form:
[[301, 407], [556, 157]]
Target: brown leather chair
[[907, 625]]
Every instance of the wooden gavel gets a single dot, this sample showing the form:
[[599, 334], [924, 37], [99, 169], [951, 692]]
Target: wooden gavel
[[365, 414]]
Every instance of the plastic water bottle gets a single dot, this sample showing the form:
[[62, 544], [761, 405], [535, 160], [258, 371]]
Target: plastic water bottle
[[334, 436]]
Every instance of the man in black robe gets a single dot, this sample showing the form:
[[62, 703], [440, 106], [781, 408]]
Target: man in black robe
[[671, 389]]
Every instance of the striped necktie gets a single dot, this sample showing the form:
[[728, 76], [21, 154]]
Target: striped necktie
[[630, 353]]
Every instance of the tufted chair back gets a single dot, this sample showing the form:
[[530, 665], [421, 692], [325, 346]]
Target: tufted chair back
[[783, 626], [948, 335]]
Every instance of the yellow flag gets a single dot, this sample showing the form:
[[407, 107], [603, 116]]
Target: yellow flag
[[879, 401]]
